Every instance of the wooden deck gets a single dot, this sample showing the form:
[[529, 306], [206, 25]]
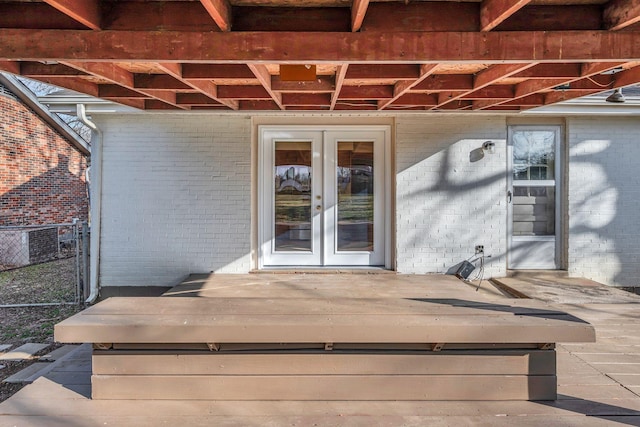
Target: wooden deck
[[323, 337], [597, 386]]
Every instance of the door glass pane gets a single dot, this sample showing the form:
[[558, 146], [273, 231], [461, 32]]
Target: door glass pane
[[355, 196], [292, 189], [534, 211], [534, 155]]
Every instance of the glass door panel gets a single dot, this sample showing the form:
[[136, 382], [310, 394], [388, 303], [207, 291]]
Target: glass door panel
[[292, 194], [355, 196]]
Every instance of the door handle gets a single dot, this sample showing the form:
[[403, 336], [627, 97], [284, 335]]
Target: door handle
[[509, 196]]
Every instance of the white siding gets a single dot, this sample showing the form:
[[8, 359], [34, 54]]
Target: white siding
[[176, 197], [604, 199], [445, 203]]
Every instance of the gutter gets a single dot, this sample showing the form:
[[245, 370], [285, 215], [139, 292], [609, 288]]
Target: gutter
[[96, 202], [26, 96]]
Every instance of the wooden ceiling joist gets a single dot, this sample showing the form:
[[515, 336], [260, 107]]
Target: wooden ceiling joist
[[264, 77], [619, 14], [494, 12], [341, 72], [220, 11], [87, 12], [404, 86], [358, 11]]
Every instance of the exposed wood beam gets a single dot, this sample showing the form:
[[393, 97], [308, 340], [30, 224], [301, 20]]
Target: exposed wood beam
[[619, 14], [307, 99], [366, 92], [243, 92], [559, 96], [320, 84], [122, 77], [203, 86], [87, 12], [216, 71], [341, 72], [404, 86], [593, 68], [220, 11], [262, 74], [276, 47], [10, 66], [422, 16], [483, 79], [494, 12], [358, 11], [627, 77], [445, 82], [416, 99], [79, 85], [38, 69]]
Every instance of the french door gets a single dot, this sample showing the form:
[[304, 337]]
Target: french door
[[322, 196], [534, 197]]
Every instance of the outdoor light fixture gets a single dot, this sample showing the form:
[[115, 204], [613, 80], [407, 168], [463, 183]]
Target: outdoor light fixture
[[616, 96], [489, 147]]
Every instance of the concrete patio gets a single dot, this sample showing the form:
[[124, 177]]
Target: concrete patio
[[598, 383]]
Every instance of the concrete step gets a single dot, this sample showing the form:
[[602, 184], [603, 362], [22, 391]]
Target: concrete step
[[24, 352]]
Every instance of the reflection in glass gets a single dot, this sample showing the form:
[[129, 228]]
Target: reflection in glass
[[292, 189], [355, 196], [534, 211], [533, 155]]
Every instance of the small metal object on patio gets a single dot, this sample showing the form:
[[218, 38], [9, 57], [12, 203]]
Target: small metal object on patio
[[465, 270]]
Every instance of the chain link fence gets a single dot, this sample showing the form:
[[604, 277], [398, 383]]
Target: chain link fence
[[44, 264]]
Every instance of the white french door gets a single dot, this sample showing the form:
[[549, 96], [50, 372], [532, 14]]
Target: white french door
[[534, 197], [322, 196]]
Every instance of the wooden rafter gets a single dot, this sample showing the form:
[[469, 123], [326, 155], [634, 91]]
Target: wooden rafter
[[124, 78], [529, 87], [10, 66], [205, 87], [341, 72], [220, 11], [404, 86], [262, 74], [87, 12], [483, 79], [619, 14], [494, 12], [276, 47], [358, 11]]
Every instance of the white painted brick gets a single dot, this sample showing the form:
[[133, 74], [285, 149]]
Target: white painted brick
[[446, 204], [176, 197], [604, 195]]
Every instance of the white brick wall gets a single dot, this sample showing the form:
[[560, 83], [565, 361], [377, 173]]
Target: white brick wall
[[446, 204], [176, 197], [604, 199]]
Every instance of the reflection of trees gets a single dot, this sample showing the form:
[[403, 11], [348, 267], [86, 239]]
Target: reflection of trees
[[533, 154]]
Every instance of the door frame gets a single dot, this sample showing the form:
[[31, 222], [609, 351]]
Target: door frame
[[559, 180], [387, 182]]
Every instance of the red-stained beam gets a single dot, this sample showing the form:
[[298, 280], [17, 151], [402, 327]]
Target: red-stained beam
[[382, 71], [619, 14], [195, 99], [308, 99], [205, 87], [490, 92], [276, 47], [216, 71], [483, 79], [303, 19], [220, 11], [445, 82], [627, 77], [416, 99], [341, 72], [559, 96], [262, 74], [320, 84], [158, 82], [112, 91], [38, 69], [422, 16], [358, 11], [366, 92], [243, 92], [259, 105], [122, 77], [545, 71], [404, 86], [494, 12], [79, 85], [10, 66], [555, 18], [87, 12]]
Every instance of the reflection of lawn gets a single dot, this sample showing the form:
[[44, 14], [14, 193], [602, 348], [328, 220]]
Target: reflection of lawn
[[354, 207], [297, 208], [293, 208]]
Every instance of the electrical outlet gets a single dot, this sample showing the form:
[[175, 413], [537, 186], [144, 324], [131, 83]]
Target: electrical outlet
[[479, 249]]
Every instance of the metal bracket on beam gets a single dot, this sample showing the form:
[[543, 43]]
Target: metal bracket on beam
[[437, 347], [102, 346], [328, 346], [213, 346], [547, 346]]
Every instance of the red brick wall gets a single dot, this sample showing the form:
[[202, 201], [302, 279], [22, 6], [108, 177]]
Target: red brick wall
[[42, 177]]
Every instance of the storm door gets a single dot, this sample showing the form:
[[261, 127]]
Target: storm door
[[322, 197], [533, 197]]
